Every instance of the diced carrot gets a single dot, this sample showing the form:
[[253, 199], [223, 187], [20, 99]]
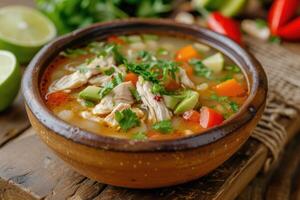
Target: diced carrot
[[192, 116], [115, 39], [131, 77], [57, 98], [186, 53], [188, 69], [229, 88], [172, 85], [210, 118]]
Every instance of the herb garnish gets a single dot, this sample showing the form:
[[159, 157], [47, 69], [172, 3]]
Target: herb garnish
[[111, 85], [200, 69], [135, 94], [139, 136], [164, 126], [109, 71], [127, 119], [230, 106]]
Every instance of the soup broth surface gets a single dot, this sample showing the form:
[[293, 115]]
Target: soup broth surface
[[144, 87]]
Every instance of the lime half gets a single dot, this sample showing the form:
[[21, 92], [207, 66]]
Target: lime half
[[24, 31], [10, 78]]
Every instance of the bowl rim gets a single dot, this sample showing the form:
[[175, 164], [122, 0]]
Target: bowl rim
[[255, 101]]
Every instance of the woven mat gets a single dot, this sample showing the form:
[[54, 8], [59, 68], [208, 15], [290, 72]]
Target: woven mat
[[283, 72]]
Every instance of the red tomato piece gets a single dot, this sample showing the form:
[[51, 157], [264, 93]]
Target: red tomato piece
[[131, 77], [210, 118], [115, 39], [57, 98]]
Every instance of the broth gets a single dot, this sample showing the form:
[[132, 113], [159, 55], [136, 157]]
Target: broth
[[143, 87]]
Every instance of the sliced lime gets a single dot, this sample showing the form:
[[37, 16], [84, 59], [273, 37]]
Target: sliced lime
[[24, 31], [10, 78]]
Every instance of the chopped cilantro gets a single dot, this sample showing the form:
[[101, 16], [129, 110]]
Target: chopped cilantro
[[228, 105], [111, 85], [127, 119], [139, 136], [162, 51], [200, 69], [109, 71], [88, 104], [164, 126], [233, 68], [145, 55]]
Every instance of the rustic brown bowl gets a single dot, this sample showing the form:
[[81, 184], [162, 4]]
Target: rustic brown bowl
[[144, 164]]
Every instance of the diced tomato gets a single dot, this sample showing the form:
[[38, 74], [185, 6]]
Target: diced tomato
[[210, 118], [192, 116], [172, 85], [186, 53], [115, 39], [229, 88], [131, 77], [57, 98]]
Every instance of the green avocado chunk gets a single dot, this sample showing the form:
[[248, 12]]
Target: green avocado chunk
[[188, 103], [171, 101], [90, 93]]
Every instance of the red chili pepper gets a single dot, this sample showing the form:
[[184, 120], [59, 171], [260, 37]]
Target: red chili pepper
[[224, 25], [157, 98], [280, 13], [291, 31]]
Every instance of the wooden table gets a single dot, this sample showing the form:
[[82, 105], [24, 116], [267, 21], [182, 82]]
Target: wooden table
[[30, 171]]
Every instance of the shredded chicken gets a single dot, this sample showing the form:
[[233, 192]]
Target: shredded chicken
[[89, 116], [100, 80], [70, 81], [184, 79], [120, 94], [110, 119], [78, 79], [157, 109]]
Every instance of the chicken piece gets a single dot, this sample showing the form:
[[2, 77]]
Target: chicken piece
[[100, 80], [120, 94], [139, 113], [78, 79], [89, 116], [110, 119], [184, 79], [157, 109], [105, 106], [70, 81]]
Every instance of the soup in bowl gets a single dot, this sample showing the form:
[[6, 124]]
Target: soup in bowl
[[144, 103]]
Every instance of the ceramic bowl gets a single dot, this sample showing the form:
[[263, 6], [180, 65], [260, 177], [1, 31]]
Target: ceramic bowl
[[145, 164]]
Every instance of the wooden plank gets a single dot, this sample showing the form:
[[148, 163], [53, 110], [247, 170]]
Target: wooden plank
[[27, 165], [13, 121]]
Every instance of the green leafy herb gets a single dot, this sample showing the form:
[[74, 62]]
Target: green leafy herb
[[200, 69], [111, 85], [139, 136], [145, 55], [164, 126], [135, 94], [260, 23], [231, 107], [161, 51], [88, 104], [110, 71], [127, 119], [233, 68]]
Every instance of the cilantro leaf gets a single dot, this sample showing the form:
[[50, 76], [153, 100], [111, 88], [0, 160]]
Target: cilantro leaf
[[135, 94], [164, 126], [127, 119], [139, 136], [109, 71], [111, 85], [200, 69]]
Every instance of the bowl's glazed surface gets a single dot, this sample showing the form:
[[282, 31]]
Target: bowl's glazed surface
[[145, 164]]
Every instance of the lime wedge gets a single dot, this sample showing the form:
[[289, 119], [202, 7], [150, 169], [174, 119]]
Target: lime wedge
[[10, 78], [24, 31]]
